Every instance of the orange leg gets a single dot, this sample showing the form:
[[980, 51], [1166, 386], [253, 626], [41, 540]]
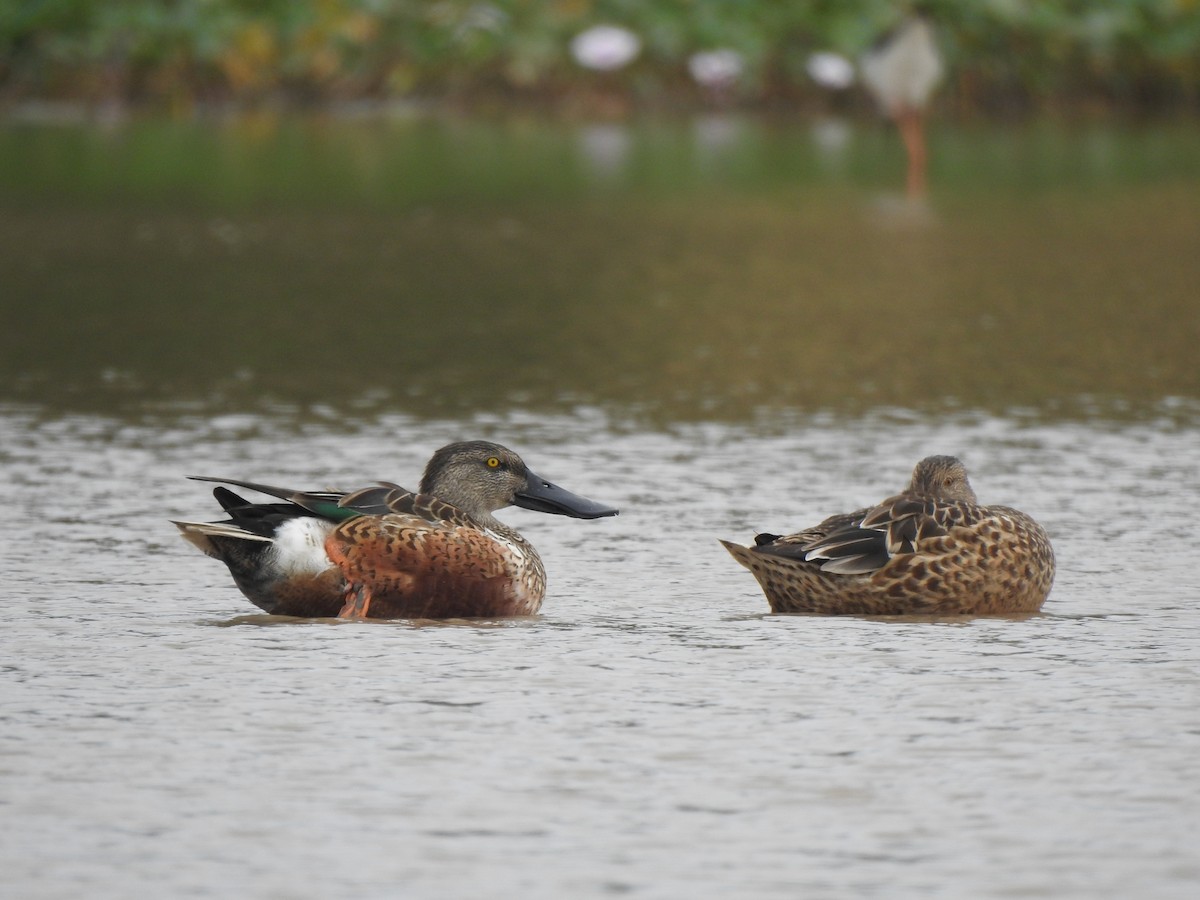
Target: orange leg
[[912, 132], [358, 602]]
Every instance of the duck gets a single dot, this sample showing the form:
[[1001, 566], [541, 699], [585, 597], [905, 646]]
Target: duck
[[931, 550], [901, 70], [383, 552]]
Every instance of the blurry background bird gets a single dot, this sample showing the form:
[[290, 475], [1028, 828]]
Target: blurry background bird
[[901, 70]]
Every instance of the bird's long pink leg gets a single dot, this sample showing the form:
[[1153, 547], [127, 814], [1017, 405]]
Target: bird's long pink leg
[[912, 132]]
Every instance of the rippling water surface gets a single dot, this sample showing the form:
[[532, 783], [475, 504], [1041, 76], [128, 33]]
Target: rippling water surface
[[654, 732], [721, 329]]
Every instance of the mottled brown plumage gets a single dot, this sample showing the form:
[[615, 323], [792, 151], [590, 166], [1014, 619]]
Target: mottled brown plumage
[[384, 552], [428, 559], [930, 550]]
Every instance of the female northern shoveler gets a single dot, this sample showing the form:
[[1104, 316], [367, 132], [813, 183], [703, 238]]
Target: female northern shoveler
[[384, 552], [930, 550]]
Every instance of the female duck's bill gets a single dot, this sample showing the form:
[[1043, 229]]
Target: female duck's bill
[[929, 550], [385, 552]]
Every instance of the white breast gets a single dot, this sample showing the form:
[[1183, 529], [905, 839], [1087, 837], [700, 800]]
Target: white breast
[[299, 547]]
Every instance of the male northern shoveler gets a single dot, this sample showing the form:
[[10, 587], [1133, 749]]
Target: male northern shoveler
[[930, 550], [384, 552]]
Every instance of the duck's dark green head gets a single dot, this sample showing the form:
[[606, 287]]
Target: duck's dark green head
[[480, 477]]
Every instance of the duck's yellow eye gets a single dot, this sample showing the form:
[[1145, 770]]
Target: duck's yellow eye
[[493, 463]]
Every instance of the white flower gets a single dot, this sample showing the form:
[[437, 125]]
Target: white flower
[[716, 68], [830, 70], [605, 48]]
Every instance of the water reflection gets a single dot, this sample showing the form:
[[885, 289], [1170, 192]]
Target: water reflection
[[832, 137], [721, 269], [683, 743], [605, 150], [681, 308], [722, 349]]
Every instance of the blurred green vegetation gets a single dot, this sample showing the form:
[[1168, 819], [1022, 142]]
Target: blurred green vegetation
[[1003, 55]]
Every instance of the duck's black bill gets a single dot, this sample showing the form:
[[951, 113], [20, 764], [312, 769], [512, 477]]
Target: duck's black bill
[[541, 495]]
